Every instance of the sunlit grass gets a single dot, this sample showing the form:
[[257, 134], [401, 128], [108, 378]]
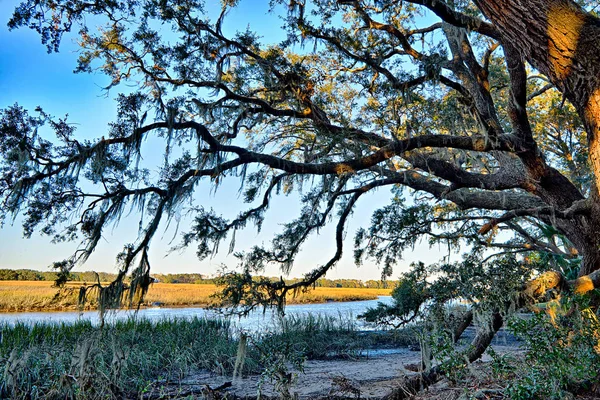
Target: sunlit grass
[[324, 294], [35, 295], [180, 294], [40, 295]]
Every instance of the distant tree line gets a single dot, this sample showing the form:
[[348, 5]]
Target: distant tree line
[[182, 278], [89, 276], [33, 275], [352, 283]]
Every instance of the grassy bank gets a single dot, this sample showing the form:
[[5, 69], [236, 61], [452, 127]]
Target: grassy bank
[[135, 359], [40, 295], [82, 361]]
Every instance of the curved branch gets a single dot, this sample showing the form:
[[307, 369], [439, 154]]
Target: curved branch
[[460, 178], [465, 198], [532, 212], [517, 106], [392, 30], [447, 14], [317, 273]]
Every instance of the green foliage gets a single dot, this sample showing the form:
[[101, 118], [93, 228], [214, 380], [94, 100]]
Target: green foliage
[[436, 300], [426, 292], [409, 296], [33, 275], [283, 360], [279, 118], [503, 365], [25, 275], [453, 362], [480, 158], [562, 352], [181, 278]]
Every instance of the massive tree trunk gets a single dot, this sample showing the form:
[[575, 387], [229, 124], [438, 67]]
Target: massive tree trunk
[[562, 41], [584, 233]]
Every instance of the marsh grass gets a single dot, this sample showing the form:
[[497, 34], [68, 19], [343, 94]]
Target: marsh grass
[[42, 296], [319, 336], [84, 361], [326, 294], [126, 359], [36, 295]]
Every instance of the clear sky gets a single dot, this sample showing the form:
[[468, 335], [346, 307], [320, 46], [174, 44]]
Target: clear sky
[[31, 77]]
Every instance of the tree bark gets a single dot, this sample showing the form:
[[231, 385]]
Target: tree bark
[[480, 343], [584, 233], [561, 40]]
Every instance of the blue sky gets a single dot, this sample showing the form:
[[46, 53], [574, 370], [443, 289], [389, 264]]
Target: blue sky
[[31, 77]]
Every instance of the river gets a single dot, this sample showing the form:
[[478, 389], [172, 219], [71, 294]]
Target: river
[[256, 321]]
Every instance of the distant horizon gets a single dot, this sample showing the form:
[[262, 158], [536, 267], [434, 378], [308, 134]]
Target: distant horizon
[[207, 276]]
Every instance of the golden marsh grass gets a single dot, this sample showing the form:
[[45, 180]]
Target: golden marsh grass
[[40, 295]]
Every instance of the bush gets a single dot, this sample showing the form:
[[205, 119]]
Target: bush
[[563, 351]]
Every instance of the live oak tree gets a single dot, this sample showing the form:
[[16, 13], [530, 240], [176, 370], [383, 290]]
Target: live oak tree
[[482, 117]]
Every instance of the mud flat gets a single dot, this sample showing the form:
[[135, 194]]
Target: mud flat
[[371, 376]]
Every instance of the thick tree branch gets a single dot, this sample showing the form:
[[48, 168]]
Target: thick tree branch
[[464, 198], [447, 14]]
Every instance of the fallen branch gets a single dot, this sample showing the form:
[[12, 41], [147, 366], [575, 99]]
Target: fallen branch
[[194, 390], [534, 291], [480, 343]]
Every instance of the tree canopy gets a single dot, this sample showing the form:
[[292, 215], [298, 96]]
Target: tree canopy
[[481, 117]]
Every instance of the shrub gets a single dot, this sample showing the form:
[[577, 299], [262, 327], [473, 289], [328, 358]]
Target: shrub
[[563, 351]]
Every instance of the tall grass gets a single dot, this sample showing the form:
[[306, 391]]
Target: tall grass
[[86, 362], [36, 295], [319, 336], [41, 296], [127, 359]]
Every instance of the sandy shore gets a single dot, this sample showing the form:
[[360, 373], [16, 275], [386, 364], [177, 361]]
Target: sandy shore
[[371, 376]]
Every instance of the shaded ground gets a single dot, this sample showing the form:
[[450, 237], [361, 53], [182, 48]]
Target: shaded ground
[[371, 376]]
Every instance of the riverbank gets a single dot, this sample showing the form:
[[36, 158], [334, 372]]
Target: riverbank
[[130, 359], [367, 377], [308, 357], [24, 296]]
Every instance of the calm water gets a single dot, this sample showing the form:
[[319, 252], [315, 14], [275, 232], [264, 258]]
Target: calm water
[[254, 322]]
